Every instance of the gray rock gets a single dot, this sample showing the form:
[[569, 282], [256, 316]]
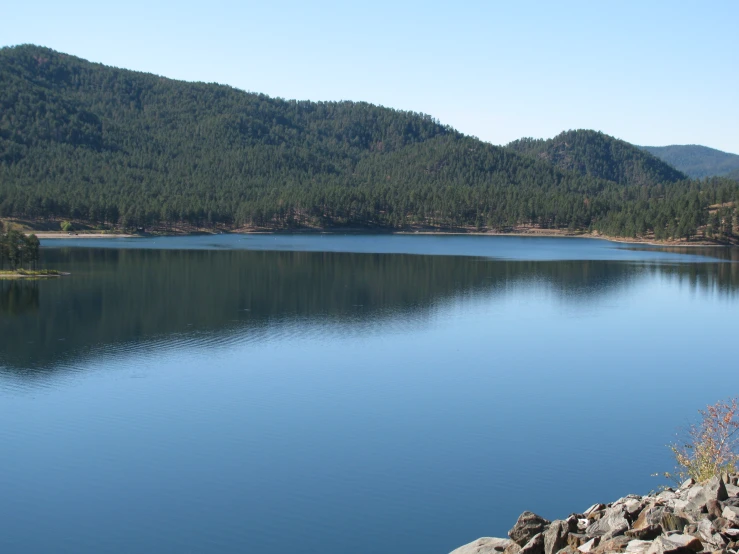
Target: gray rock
[[672, 522], [589, 546], [731, 513], [732, 490], [649, 516], [555, 537], [648, 533], [512, 548], [613, 523], [577, 539], [713, 507], [594, 508], [663, 545], [638, 547], [484, 545], [687, 484], [534, 546], [686, 541], [616, 544], [699, 495], [633, 506], [528, 525]]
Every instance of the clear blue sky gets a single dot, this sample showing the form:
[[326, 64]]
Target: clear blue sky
[[650, 72]]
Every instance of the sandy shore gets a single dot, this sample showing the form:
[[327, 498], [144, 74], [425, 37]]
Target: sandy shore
[[62, 235]]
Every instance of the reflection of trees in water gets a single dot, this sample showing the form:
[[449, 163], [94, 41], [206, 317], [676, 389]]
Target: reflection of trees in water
[[18, 297], [131, 296]]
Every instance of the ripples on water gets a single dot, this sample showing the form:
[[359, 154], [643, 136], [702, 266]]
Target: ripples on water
[[237, 400]]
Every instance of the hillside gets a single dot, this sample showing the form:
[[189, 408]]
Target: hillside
[[696, 161], [115, 147], [599, 155]]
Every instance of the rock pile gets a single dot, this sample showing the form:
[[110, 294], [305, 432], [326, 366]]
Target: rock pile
[[694, 518]]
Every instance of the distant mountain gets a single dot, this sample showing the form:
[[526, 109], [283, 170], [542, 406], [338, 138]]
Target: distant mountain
[[733, 175], [697, 161], [599, 155]]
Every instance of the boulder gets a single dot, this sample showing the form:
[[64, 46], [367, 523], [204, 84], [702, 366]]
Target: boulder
[[589, 546], [484, 545], [663, 545], [713, 507], [616, 544], [555, 537], [594, 508], [699, 495], [648, 533], [686, 541], [672, 522], [528, 525], [613, 523], [649, 516], [638, 547], [731, 513], [534, 546]]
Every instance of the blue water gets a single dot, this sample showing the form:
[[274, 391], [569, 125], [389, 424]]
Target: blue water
[[394, 394]]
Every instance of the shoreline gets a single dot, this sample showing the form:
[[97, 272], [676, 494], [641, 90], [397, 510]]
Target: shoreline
[[13, 275], [694, 518], [549, 233]]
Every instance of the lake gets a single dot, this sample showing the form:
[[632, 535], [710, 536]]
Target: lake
[[362, 393]]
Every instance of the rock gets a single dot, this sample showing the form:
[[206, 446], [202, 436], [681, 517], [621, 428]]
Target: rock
[[713, 507], [512, 548], [617, 544], [731, 513], [577, 539], [732, 490], [484, 545], [589, 546], [672, 522], [719, 524], [633, 507], [582, 524], [613, 523], [687, 484], [534, 546], [572, 522], [699, 495], [663, 545], [555, 537], [686, 541], [649, 516], [594, 508], [528, 525], [648, 533], [569, 549], [638, 547]]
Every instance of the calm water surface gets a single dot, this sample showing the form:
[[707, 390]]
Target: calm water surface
[[365, 394]]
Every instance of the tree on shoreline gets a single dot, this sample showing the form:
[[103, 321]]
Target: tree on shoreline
[[17, 249]]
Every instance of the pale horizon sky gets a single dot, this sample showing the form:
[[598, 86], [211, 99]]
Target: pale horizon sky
[[651, 72]]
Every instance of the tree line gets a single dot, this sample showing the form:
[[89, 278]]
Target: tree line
[[111, 147], [18, 249]]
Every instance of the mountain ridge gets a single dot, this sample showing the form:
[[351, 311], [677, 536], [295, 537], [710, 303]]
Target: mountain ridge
[[117, 147], [696, 160], [599, 155]]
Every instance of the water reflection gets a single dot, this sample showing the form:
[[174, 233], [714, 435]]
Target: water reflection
[[18, 297], [125, 298]]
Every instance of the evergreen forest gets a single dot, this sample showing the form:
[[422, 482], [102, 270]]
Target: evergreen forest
[[111, 147]]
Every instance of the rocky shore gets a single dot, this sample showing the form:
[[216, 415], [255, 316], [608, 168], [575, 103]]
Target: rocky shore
[[693, 518]]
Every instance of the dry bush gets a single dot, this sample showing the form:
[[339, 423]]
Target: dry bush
[[709, 447]]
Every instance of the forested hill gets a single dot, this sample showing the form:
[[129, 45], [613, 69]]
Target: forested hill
[[116, 147], [697, 161], [599, 155]]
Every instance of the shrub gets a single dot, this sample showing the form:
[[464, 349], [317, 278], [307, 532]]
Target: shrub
[[67, 226], [709, 447]]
